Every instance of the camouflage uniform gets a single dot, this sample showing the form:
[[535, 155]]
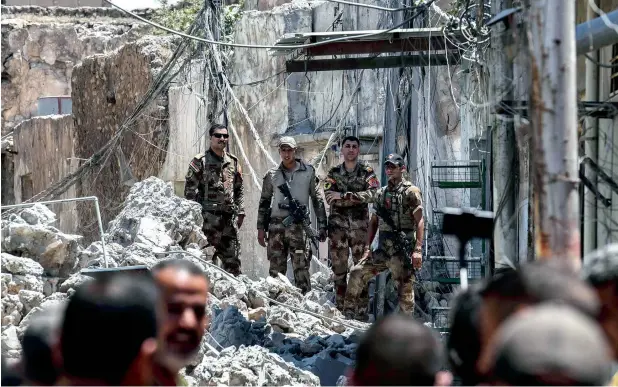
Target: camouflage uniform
[[216, 183], [400, 202], [281, 240], [348, 221]]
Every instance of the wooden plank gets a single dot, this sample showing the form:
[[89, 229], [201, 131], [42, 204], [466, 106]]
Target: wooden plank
[[435, 59]]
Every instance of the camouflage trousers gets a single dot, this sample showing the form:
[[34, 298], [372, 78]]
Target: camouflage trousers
[[222, 234], [289, 240], [367, 268], [341, 242]]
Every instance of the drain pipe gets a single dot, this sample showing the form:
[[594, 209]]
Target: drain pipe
[[595, 33], [591, 127]]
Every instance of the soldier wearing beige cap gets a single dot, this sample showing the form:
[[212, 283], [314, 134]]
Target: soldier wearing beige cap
[[272, 233]]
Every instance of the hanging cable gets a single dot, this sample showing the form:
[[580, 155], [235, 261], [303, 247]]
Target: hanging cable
[[293, 47]]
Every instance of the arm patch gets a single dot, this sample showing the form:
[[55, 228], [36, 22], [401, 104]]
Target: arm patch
[[195, 165], [373, 182]]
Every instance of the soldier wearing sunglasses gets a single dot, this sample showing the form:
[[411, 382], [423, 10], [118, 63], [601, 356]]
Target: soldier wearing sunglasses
[[214, 180]]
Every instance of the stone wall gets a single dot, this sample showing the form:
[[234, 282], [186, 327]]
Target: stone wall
[[40, 46], [44, 154], [105, 91]]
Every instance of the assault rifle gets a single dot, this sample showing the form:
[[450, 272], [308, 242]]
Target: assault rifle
[[299, 213], [400, 238]]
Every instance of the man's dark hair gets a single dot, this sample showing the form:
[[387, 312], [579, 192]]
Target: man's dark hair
[[214, 127], [463, 343], [398, 351], [537, 282], [38, 344], [105, 324], [180, 265], [351, 138]]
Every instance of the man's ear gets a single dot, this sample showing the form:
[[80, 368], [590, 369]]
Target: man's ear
[[149, 347], [443, 378]]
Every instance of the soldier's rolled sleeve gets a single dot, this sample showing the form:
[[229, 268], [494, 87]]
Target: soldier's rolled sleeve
[[265, 199], [318, 202], [371, 187], [413, 199], [239, 193], [192, 182]]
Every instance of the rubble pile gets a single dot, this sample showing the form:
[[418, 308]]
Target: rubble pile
[[262, 332]]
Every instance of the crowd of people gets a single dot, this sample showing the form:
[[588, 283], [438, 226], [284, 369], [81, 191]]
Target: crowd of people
[[535, 324]]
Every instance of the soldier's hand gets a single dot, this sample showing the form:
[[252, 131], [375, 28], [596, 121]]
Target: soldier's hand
[[322, 236], [366, 254], [332, 196], [262, 238], [239, 220], [417, 260]]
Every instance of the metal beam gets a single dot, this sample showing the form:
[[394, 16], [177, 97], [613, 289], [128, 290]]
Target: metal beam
[[596, 33], [381, 46], [606, 110], [301, 66], [299, 38]]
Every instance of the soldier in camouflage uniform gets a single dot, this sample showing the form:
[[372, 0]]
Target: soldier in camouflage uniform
[[402, 203], [348, 220], [292, 240], [214, 180]]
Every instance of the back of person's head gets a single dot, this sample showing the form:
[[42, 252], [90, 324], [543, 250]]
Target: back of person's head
[[178, 264], [550, 344], [397, 351], [601, 266], [38, 343], [537, 282], [464, 342], [600, 270], [110, 330], [9, 376]]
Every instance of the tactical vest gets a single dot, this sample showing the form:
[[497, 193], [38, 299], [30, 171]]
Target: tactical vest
[[391, 202], [300, 184]]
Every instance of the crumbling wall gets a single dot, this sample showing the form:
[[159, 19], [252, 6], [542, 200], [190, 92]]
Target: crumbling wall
[[41, 45], [44, 154], [105, 91]]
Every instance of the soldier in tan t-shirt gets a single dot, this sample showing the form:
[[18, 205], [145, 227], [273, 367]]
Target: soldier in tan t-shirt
[[401, 201]]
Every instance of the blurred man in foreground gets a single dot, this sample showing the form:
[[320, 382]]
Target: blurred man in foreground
[[600, 270], [184, 286], [550, 345], [398, 351], [513, 290], [464, 342], [38, 343], [109, 332]]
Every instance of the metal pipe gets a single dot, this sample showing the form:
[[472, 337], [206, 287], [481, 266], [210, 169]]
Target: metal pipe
[[96, 206], [591, 127], [82, 199], [595, 33]]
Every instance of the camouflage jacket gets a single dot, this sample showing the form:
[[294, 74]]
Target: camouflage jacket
[[362, 184], [216, 183], [304, 185], [400, 202]]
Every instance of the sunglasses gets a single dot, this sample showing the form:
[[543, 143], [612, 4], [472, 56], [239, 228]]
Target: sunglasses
[[221, 135]]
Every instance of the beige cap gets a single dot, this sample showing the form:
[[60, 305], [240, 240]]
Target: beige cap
[[287, 140]]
